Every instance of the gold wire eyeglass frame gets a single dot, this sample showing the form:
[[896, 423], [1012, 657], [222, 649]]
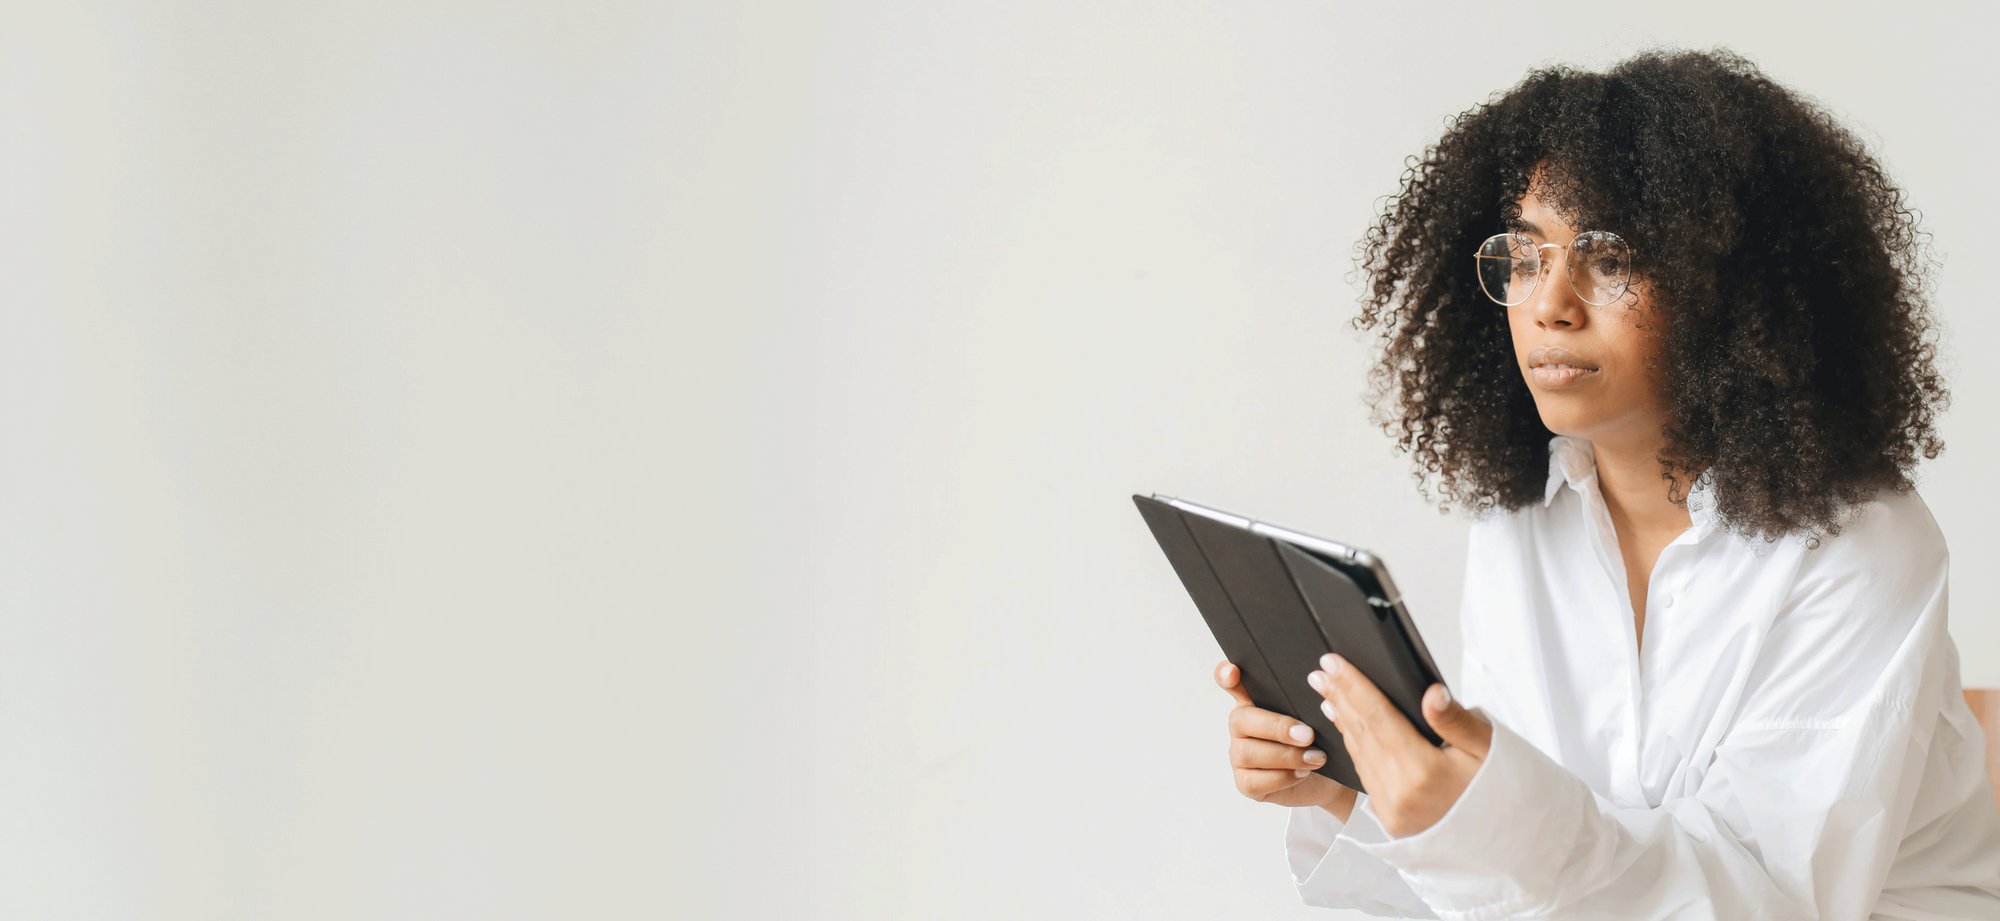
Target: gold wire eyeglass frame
[[1617, 287]]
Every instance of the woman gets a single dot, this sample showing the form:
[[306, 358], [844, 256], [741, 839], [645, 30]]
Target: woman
[[1665, 329]]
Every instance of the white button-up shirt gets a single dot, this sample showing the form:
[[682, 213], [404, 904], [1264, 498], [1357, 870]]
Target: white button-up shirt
[[1790, 742]]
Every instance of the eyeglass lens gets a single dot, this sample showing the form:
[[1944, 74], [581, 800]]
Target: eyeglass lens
[[1599, 267]]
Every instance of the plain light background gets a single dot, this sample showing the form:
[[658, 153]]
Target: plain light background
[[636, 460]]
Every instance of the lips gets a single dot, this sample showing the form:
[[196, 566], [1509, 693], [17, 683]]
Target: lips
[[1555, 366]]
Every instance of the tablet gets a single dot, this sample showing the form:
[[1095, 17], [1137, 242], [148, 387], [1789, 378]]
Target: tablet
[[1276, 600]]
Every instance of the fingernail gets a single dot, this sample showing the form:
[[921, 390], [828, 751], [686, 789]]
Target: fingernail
[[1331, 663], [1444, 696], [1301, 732], [1300, 773], [1317, 680], [1315, 756], [1326, 707]]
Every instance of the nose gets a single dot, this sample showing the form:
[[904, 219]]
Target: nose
[[1555, 304]]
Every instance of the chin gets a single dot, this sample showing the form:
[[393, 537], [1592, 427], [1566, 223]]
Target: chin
[[1566, 421]]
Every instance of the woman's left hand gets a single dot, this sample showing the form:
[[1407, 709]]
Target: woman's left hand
[[1411, 783]]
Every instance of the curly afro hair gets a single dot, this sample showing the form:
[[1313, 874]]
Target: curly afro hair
[[1799, 351]]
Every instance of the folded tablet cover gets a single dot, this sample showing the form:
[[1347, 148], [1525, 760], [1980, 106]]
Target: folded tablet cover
[[1275, 610]]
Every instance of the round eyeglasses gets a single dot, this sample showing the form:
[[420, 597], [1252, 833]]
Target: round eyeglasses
[[1510, 267]]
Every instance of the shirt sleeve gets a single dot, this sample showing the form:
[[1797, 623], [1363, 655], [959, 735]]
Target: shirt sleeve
[[1793, 818], [1332, 870]]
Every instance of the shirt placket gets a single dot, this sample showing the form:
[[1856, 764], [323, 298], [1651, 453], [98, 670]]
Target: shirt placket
[[1623, 636]]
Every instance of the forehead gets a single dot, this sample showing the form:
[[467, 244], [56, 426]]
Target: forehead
[[1540, 218]]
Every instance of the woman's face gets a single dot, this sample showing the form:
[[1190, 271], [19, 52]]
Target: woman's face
[[1591, 369]]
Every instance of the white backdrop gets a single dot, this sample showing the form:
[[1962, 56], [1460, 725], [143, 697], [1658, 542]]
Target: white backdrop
[[638, 460]]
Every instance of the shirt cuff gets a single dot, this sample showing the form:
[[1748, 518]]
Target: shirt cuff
[[1331, 871], [1309, 834], [1498, 851]]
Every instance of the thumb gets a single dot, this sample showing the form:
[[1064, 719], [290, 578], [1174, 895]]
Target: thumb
[[1459, 727], [1231, 679]]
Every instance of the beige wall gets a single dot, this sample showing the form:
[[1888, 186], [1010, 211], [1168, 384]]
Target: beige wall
[[633, 461]]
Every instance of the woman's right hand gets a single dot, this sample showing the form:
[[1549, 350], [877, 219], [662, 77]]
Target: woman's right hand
[[1274, 757]]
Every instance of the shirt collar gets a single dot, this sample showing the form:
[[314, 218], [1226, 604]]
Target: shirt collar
[[1701, 506], [1572, 463]]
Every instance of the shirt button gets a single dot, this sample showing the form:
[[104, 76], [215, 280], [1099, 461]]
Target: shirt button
[[1669, 602]]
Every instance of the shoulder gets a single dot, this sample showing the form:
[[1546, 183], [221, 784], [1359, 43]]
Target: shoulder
[[1898, 518], [1553, 525], [1887, 549], [1864, 615], [1505, 540]]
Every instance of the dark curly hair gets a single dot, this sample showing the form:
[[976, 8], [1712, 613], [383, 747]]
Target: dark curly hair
[[1799, 350]]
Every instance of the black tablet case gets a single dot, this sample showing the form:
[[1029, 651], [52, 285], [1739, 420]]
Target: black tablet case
[[1276, 608]]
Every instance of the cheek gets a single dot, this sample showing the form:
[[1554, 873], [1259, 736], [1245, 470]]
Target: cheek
[[1524, 335], [1634, 347], [1647, 322], [1640, 326]]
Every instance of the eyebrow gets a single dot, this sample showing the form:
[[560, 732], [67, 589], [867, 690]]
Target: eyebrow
[[1524, 226]]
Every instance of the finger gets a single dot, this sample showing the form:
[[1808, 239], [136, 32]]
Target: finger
[[1253, 723], [1259, 784], [1271, 756], [1455, 724], [1231, 679], [1359, 704]]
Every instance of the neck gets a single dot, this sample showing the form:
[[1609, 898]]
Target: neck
[[1628, 476]]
